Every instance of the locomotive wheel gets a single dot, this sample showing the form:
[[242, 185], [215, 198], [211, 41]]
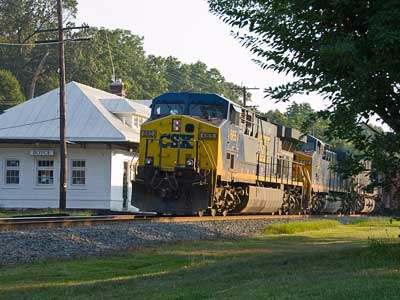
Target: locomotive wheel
[[213, 212], [200, 213], [225, 212]]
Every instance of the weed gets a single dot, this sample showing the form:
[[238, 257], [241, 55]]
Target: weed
[[295, 227]]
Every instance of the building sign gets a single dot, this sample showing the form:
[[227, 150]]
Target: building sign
[[42, 152]]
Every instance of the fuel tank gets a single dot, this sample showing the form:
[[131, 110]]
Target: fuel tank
[[263, 200]]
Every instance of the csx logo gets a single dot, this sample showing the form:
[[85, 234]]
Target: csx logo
[[176, 140]]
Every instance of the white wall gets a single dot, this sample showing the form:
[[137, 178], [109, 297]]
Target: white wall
[[28, 194]]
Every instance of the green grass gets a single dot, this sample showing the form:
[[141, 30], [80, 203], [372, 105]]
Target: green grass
[[296, 227], [377, 221], [344, 262], [5, 213]]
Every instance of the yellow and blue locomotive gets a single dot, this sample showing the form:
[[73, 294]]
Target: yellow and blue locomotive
[[204, 153]]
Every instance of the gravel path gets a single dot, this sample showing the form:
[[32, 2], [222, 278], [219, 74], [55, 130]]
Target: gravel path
[[35, 244]]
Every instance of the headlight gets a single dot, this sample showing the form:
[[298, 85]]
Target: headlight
[[189, 162], [148, 133], [176, 125], [148, 161], [208, 136]]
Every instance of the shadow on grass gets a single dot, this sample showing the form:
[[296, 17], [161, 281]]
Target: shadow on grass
[[262, 267]]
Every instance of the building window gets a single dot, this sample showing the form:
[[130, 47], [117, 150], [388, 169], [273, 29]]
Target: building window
[[78, 172], [45, 172], [136, 121], [12, 171], [141, 121]]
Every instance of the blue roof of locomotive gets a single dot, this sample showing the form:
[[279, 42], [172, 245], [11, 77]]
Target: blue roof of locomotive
[[186, 97]]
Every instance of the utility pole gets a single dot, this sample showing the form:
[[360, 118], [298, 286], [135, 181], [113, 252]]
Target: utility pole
[[244, 90], [61, 58], [63, 141]]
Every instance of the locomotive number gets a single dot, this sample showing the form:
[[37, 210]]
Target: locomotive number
[[176, 140], [233, 136]]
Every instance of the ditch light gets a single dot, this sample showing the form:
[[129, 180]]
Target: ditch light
[[176, 125]]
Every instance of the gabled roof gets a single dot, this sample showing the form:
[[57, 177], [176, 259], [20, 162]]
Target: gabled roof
[[87, 118], [126, 106], [144, 102]]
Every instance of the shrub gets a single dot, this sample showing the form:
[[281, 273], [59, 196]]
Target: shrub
[[295, 227], [10, 90]]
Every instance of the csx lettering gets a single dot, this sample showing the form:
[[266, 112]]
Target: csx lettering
[[176, 140]]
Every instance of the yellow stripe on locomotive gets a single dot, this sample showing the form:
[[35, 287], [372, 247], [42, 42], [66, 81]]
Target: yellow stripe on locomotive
[[202, 152], [177, 142]]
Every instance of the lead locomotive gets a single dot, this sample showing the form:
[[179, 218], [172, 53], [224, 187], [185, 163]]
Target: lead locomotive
[[204, 153]]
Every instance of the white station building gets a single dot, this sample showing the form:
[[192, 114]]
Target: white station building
[[103, 132]]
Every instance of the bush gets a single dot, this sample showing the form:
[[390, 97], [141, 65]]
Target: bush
[[10, 90], [294, 227]]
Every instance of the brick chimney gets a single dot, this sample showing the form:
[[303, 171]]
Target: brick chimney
[[117, 87]]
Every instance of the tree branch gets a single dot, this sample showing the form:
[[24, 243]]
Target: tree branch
[[37, 74]]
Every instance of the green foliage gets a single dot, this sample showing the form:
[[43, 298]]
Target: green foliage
[[89, 62], [296, 227], [347, 51], [300, 116], [10, 91], [19, 19], [14, 212], [376, 222], [145, 76], [303, 117]]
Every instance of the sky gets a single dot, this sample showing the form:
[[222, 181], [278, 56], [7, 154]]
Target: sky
[[187, 30]]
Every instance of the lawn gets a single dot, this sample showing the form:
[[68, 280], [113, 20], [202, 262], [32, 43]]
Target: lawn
[[7, 213], [357, 261]]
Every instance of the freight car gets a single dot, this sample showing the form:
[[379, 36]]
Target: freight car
[[204, 153]]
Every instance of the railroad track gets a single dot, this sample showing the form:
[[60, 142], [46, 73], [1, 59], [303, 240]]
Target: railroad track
[[70, 221]]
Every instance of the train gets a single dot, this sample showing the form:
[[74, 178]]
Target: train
[[201, 153]]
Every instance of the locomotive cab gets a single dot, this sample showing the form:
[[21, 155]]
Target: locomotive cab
[[179, 150]]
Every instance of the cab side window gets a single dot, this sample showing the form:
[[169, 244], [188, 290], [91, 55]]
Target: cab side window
[[234, 115]]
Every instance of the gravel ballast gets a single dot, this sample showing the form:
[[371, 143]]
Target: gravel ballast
[[34, 244]]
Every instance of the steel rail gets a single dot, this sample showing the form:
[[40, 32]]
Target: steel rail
[[72, 221]]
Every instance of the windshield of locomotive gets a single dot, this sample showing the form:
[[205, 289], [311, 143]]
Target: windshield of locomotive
[[207, 111], [165, 109]]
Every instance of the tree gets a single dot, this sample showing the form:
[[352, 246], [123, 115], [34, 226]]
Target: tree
[[19, 20], [303, 117], [10, 90], [346, 51], [89, 62]]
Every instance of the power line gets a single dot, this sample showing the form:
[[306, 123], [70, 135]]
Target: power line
[[65, 28], [29, 44], [194, 80], [40, 43], [244, 90], [28, 124]]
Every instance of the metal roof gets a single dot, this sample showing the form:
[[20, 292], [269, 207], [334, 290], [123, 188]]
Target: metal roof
[[126, 106], [143, 102], [88, 119]]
